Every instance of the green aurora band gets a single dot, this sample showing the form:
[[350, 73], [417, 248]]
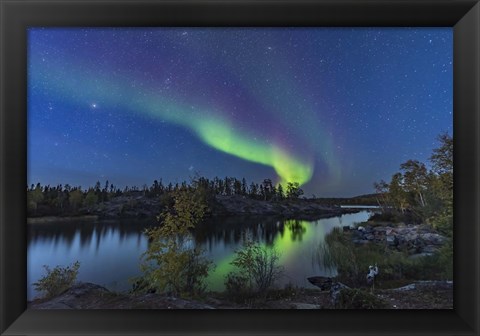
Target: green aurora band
[[219, 134], [210, 127], [285, 81]]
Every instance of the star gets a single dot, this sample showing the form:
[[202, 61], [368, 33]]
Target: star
[[326, 94]]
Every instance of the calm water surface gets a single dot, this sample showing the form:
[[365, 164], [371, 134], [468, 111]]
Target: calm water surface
[[109, 252]]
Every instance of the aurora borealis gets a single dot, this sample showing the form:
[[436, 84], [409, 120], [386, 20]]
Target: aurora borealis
[[332, 109]]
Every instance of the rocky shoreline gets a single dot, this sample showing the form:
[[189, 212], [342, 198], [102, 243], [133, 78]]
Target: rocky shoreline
[[418, 240], [410, 244], [56, 219], [297, 208], [417, 295], [92, 296], [141, 207]]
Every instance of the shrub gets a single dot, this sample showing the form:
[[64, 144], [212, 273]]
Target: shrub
[[237, 287], [288, 292], [176, 270], [389, 216], [140, 285], [259, 265], [443, 223], [171, 264], [359, 299], [58, 280], [438, 266]]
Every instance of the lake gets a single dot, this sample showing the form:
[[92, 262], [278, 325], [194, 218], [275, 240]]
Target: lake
[[109, 251]]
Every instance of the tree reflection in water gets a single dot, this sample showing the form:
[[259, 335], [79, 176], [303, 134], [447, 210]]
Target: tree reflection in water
[[297, 229], [65, 232], [110, 250], [230, 230]]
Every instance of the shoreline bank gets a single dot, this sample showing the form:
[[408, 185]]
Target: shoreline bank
[[58, 219], [225, 206]]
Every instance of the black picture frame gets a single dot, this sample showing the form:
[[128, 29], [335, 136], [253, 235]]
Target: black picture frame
[[17, 16]]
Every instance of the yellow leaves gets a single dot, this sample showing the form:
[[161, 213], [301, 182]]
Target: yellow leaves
[[170, 264]]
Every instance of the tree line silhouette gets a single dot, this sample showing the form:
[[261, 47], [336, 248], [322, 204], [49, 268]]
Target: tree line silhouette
[[66, 199]]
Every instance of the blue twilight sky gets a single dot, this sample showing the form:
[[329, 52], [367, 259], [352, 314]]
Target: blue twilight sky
[[333, 108]]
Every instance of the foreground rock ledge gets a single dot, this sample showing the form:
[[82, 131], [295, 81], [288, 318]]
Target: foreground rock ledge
[[419, 295], [92, 296]]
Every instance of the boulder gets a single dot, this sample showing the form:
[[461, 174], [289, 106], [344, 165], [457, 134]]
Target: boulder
[[379, 229], [429, 249], [324, 283], [368, 229], [433, 238], [335, 291], [391, 240], [419, 255]]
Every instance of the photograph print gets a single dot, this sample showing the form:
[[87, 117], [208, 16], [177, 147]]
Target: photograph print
[[240, 168]]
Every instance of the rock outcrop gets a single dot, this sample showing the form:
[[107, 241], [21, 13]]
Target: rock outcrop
[[417, 240], [328, 284], [92, 296], [297, 208], [137, 205]]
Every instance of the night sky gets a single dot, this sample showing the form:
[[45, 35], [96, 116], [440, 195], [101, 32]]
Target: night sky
[[332, 108]]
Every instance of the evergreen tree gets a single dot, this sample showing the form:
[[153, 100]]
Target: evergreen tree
[[91, 199], [293, 190], [253, 190], [280, 194], [244, 186], [76, 198], [34, 198], [228, 187], [237, 187]]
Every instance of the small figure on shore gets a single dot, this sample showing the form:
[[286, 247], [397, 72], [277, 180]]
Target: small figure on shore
[[372, 273]]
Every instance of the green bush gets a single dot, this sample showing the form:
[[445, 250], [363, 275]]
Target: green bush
[[177, 270], [256, 271], [259, 265], [443, 223], [57, 280], [438, 266]]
